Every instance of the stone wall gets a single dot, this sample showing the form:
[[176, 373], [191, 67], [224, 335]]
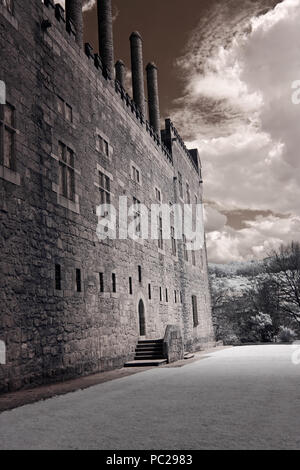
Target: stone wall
[[55, 334], [173, 343]]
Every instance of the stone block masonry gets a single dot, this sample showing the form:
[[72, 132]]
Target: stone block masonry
[[73, 127]]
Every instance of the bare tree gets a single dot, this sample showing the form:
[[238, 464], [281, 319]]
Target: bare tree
[[284, 271]]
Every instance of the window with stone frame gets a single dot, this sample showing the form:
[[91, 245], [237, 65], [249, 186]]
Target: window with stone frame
[[136, 174], [195, 311], [180, 186], [188, 194], [157, 195], [185, 251], [9, 4], [194, 257], [104, 188], [137, 215], [7, 136], [102, 145], [173, 242], [160, 232], [66, 171], [65, 109]]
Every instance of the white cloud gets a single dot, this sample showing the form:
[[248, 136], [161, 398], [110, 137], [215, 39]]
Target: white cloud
[[256, 240], [87, 4], [238, 110]]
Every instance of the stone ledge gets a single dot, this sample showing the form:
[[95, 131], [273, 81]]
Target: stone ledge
[[10, 175]]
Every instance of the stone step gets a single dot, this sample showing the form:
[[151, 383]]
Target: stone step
[[149, 356], [149, 348], [146, 363], [150, 341]]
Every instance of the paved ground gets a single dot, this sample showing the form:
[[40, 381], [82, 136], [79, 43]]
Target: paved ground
[[238, 398]]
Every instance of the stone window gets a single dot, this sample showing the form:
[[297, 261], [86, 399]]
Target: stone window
[[136, 174], [160, 294], [149, 291], [9, 5], [188, 195], [140, 273], [114, 283], [160, 233], [65, 109], [104, 188], [167, 297], [78, 280], [69, 113], [102, 145], [181, 297], [57, 277], [195, 311], [173, 242], [175, 296], [185, 252], [157, 195], [137, 215], [101, 281], [66, 172], [193, 257], [130, 285], [7, 136], [180, 184]]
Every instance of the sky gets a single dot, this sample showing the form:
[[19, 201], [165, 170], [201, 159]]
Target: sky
[[226, 70]]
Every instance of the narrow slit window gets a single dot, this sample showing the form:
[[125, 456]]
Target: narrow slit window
[[57, 277], [78, 280], [7, 136], [195, 311], [140, 273], [114, 283], [101, 279], [130, 285], [167, 298], [149, 291]]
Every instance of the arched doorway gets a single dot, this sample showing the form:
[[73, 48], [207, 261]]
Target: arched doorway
[[142, 322]]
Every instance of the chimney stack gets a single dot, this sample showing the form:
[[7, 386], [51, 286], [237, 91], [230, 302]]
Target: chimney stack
[[137, 69], [153, 98], [105, 32], [120, 72], [74, 13]]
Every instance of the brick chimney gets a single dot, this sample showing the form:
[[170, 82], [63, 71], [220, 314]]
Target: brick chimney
[[105, 32], [137, 69], [74, 13], [120, 72], [153, 98]]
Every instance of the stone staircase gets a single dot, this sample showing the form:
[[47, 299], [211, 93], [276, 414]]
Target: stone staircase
[[148, 353]]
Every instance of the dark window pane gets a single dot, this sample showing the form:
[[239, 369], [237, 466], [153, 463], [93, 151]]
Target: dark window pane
[[57, 277], [8, 148], [78, 280]]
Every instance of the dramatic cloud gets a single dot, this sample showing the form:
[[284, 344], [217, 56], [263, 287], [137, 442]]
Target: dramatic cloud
[[238, 110], [87, 4]]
